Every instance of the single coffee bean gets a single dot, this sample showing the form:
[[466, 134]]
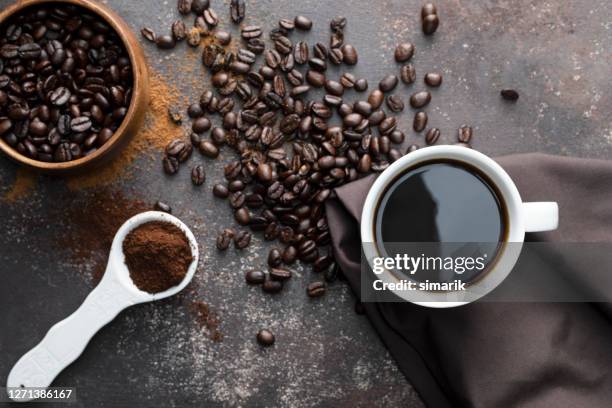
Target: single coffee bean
[[170, 164], [198, 175], [161, 206], [430, 24], [221, 191], [242, 239], [376, 98], [395, 103], [315, 78], [255, 277], [265, 337], [80, 124], [223, 37], [420, 99], [274, 258], [334, 87], [250, 32], [397, 136], [242, 216], [336, 56], [280, 274], [420, 121], [237, 10], [316, 289], [179, 32], [408, 74], [165, 42], [464, 134], [432, 136], [348, 80], [223, 241], [198, 6], [361, 85], [350, 54], [208, 149], [303, 23], [509, 94], [404, 51], [272, 286], [289, 255], [433, 79]]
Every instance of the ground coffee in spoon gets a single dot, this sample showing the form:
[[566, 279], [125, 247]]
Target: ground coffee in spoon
[[157, 255]]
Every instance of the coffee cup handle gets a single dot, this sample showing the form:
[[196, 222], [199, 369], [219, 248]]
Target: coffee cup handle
[[540, 216]]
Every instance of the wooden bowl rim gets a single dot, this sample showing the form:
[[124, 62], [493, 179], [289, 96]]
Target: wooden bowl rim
[[123, 31]]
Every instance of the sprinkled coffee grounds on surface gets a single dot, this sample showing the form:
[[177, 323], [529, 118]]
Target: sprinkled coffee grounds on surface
[[157, 255], [23, 185], [95, 218], [207, 320]]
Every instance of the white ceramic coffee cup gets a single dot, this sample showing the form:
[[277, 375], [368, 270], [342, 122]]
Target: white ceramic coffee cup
[[522, 218]]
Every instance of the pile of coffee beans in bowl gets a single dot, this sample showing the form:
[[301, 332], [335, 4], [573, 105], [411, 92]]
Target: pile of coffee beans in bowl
[[65, 82]]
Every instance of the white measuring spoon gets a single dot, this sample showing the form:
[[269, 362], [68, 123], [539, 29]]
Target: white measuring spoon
[[66, 340]]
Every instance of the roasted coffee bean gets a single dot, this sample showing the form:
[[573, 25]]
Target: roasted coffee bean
[[179, 32], [283, 45], [420, 99], [170, 164], [430, 24], [317, 64], [280, 274], [223, 37], [220, 190], [256, 45], [349, 54], [320, 50], [286, 24], [161, 206], [237, 199], [376, 99], [334, 87], [335, 56], [208, 149], [211, 18], [272, 286], [404, 51], [242, 216], [420, 121], [300, 52], [223, 241], [274, 258], [184, 6], [316, 289], [315, 78], [60, 96], [237, 10], [464, 134], [201, 125], [198, 6], [255, 277], [361, 85], [433, 79], [80, 124], [198, 175], [395, 103], [165, 42], [388, 83], [250, 32], [408, 74], [509, 94], [397, 136], [303, 23], [242, 239], [246, 56], [289, 255], [388, 125], [432, 136]]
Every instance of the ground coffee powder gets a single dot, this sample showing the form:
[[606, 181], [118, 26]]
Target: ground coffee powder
[[157, 255]]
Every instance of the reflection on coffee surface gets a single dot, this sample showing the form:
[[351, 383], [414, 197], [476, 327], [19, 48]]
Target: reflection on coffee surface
[[447, 202]]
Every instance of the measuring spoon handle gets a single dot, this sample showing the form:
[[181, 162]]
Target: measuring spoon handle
[[66, 340]]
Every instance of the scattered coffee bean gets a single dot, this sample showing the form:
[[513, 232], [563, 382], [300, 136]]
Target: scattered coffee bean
[[464, 134], [420, 121], [432, 136], [165, 42], [148, 34], [161, 206], [361, 85], [280, 274], [408, 74], [509, 94], [274, 258], [272, 286], [237, 10], [403, 52], [316, 289], [198, 175], [265, 337], [303, 23], [433, 79], [223, 241], [395, 103], [349, 54], [388, 83], [242, 239], [420, 99], [198, 6], [428, 9], [255, 277], [430, 24], [179, 32]]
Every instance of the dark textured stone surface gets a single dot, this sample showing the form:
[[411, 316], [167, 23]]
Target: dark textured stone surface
[[555, 54]]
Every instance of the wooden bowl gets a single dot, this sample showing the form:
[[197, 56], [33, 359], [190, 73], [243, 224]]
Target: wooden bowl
[[140, 94]]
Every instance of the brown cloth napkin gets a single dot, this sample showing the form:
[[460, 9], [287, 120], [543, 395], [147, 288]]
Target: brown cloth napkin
[[502, 354]]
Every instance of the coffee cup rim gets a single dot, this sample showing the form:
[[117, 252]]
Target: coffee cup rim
[[496, 174]]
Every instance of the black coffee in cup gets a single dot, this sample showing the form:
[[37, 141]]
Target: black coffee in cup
[[447, 202]]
